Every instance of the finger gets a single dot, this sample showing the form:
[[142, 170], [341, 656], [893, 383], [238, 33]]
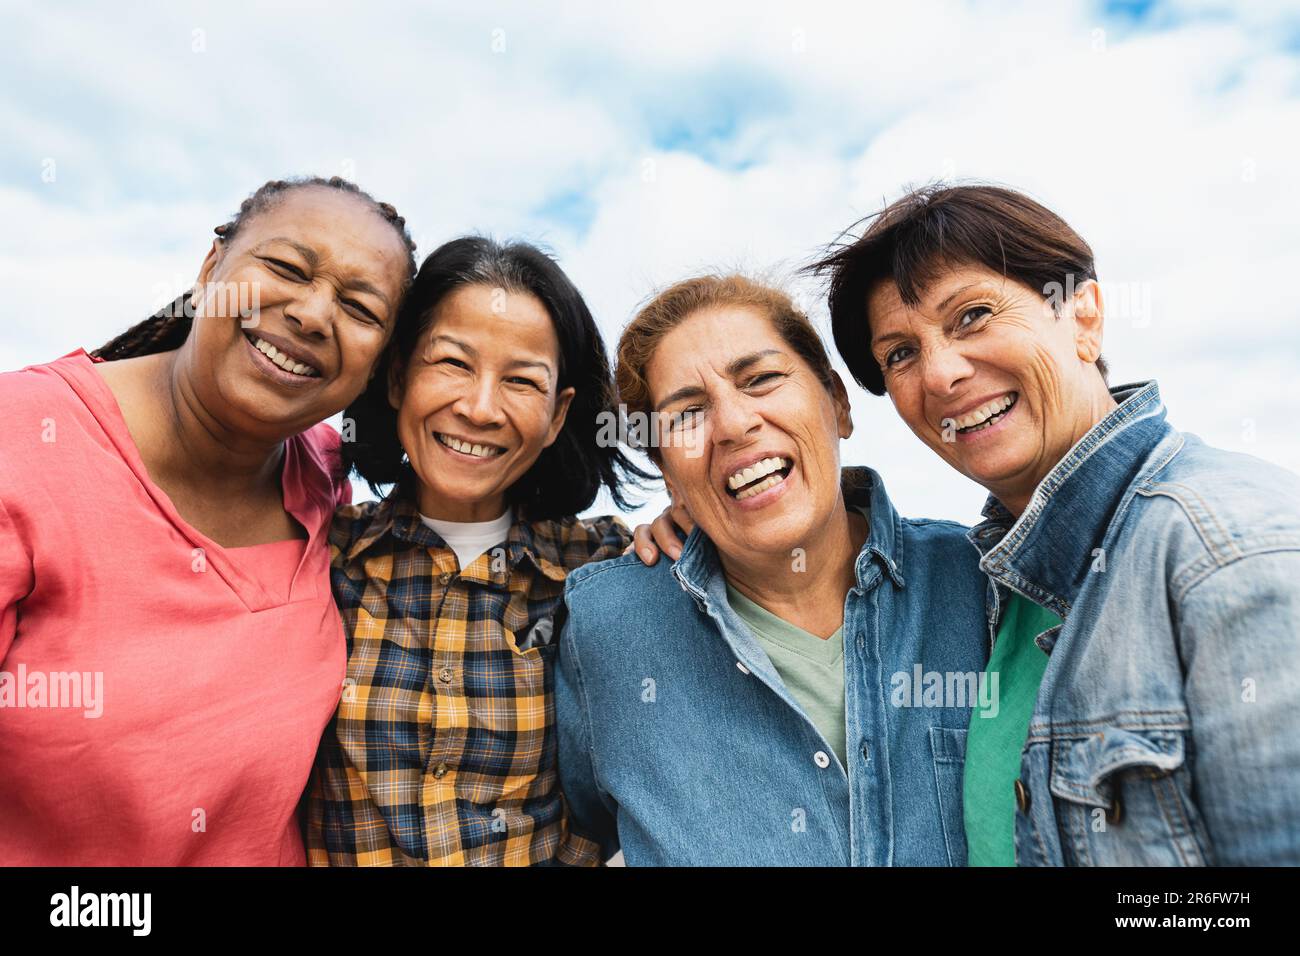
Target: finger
[[665, 536], [644, 544]]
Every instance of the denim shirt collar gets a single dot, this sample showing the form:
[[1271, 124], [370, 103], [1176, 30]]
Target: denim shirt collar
[[699, 569], [699, 572], [1048, 552]]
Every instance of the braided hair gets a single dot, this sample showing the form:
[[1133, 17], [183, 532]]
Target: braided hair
[[169, 327]]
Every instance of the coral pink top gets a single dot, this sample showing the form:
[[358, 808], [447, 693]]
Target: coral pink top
[[161, 697]]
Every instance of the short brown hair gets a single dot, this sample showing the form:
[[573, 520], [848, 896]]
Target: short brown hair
[[678, 302], [911, 241]]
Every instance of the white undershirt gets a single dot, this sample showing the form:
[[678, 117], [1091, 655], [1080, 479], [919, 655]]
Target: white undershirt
[[469, 539]]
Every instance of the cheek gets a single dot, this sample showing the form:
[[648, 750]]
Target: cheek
[[530, 417], [359, 351]]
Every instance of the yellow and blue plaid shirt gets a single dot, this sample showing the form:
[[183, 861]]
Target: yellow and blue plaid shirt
[[443, 748]]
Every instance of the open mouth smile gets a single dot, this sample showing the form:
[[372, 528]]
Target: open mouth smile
[[986, 416], [283, 362], [479, 450], [758, 477]]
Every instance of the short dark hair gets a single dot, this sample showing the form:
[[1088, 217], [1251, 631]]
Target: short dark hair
[[567, 475], [910, 241], [169, 327]]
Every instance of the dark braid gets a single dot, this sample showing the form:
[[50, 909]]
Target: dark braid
[[169, 327]]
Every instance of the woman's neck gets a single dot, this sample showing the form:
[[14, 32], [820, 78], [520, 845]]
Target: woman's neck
[[807, 587], [189, 445]]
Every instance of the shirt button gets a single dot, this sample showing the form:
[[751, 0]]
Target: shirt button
[[740, 666], [441, 771], [1022, 797], [445, 675], [445, 577], [821, 760]]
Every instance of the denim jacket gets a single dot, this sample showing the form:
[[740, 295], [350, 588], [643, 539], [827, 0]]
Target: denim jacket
[[1167, 728], [679, 741]]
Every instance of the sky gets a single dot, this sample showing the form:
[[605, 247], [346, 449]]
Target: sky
[[641, 143]]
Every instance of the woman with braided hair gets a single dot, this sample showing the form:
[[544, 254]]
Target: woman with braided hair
[[169, 648]]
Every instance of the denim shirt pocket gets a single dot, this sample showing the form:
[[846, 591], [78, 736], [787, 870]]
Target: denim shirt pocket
[[948, 747], [1123, 799]]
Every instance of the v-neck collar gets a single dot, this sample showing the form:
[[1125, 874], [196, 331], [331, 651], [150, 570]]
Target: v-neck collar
[[77, 369]]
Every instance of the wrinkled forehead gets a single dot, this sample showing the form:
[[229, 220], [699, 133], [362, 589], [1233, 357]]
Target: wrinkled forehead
[[710, 344], [925, 294]]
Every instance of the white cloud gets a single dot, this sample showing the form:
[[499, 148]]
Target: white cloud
[[691, 136]]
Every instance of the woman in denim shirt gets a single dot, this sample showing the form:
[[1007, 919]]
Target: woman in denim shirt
[[795, 688], [1144, 587]]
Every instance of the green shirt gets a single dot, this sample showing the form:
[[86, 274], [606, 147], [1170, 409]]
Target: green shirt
[[997, 733], [812, 668]]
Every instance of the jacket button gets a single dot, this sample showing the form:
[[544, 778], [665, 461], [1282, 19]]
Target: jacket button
[[1022, 797], [740, 666], [1116, 812], [445, 675], [445, 577], [441, 771], [821, 760]]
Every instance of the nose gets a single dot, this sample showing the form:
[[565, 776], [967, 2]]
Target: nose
[[311, 310], [945, 368], [735, 418], [478, 404]]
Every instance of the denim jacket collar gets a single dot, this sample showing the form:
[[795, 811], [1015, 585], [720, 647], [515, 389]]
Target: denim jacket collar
[[1046, 554], [699, 572], [699, 569]]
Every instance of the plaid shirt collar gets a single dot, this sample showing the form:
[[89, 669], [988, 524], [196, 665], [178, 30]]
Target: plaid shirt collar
[[397, 517]]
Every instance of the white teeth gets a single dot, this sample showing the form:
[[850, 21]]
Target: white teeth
[[984, 412], [282, 360], [769, 482], [755, 471], [478, 451]]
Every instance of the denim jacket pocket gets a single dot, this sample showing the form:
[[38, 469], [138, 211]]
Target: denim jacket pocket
[[948, 747], [1122, 798]]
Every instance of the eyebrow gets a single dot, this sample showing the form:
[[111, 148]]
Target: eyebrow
[[734, 368], [892, 336], [308, 253], [470, 350]]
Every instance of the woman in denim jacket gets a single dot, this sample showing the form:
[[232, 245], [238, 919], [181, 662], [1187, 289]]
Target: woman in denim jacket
[[1144, 595], [795, 688]]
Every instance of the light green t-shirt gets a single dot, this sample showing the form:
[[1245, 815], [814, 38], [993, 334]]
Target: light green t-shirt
[[994, 743], [812, 668]]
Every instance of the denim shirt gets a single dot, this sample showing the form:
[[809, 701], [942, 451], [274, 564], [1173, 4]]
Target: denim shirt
[[1167, 728], [679, 741]]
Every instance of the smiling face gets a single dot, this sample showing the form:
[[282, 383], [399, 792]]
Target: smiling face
[[749, 440], [479, 400], [325, 272], [987, 375]]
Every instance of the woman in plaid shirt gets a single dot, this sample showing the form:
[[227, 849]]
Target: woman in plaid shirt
[[486, 423]]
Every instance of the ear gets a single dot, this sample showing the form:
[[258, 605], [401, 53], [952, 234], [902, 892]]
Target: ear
[[1089, 320], [210, 262], [396, 385], [843, 411], [562, 402]]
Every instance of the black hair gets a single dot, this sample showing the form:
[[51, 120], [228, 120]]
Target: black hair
[[169, 327], [568, 474]]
